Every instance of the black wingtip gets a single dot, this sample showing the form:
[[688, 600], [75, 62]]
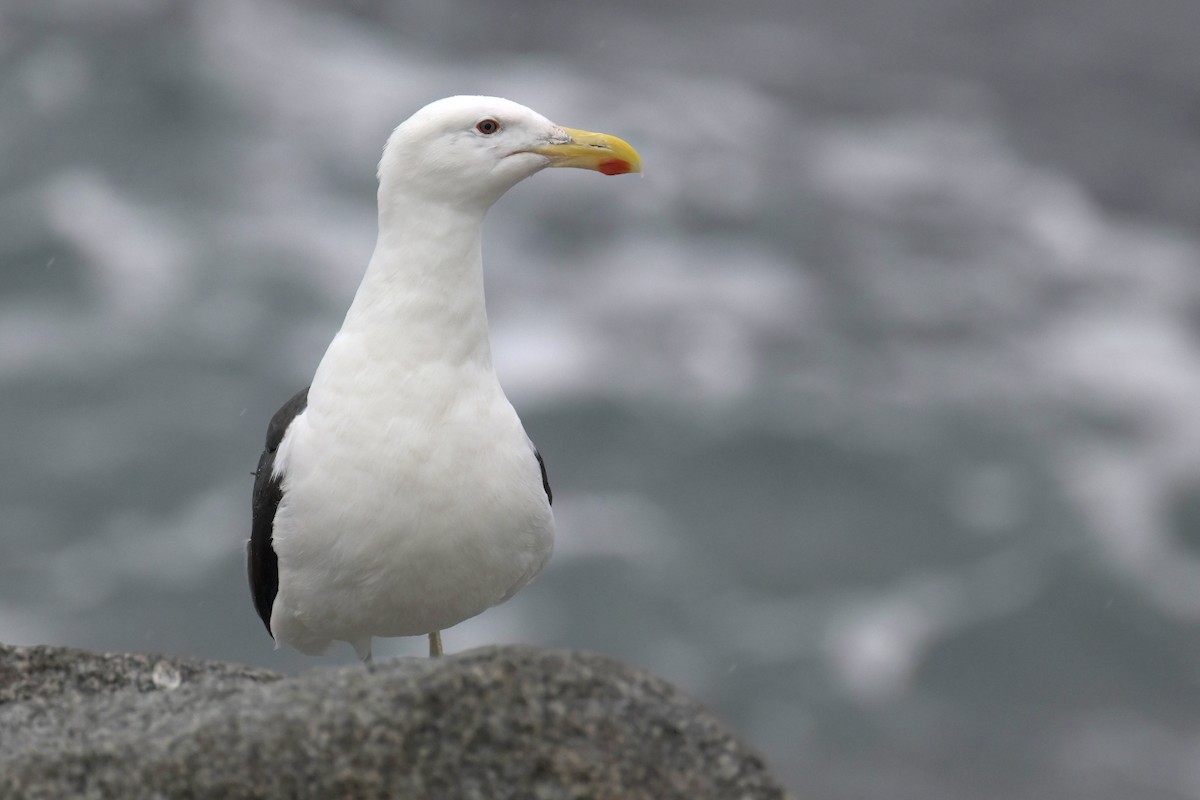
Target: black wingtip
[[264, 582], [262, 564], [545, 477]]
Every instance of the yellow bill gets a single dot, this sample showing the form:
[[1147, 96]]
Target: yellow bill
[[587, 150]]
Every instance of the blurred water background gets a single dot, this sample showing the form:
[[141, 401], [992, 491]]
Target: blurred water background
[[871, 410]]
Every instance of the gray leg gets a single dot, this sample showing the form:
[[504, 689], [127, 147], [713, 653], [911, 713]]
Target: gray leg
[[363, 648], [435, 644]]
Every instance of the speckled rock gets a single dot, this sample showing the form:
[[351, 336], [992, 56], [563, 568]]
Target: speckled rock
[[509, 722]]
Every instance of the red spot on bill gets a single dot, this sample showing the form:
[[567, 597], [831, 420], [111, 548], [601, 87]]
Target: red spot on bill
[[613, 166]]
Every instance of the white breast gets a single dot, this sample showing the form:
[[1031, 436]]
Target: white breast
[[410, 501]]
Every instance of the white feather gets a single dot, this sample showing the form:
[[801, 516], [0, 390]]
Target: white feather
[[412, 498]]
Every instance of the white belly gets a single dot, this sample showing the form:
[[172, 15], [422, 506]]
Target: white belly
[[402, 516]]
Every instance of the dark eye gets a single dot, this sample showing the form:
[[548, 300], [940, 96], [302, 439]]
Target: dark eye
[[487, 126]]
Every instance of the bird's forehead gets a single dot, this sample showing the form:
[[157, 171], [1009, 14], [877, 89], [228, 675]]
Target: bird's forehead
[[465, 110]]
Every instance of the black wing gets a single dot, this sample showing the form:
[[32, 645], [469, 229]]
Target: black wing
[[261, 563], [545, 477]]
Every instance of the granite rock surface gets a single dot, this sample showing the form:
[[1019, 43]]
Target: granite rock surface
[[499, 722]]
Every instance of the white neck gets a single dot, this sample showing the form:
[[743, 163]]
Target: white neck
[[421, 300]]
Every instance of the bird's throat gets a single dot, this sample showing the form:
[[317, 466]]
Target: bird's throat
[[422, 298]]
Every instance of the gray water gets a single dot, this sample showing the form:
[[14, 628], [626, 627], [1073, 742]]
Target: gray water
[[871, 410]]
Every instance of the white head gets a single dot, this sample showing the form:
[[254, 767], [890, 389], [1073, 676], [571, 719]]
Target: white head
[[470, 150]]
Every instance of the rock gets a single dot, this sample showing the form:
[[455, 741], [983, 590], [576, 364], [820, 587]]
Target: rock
[[500, 722]]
